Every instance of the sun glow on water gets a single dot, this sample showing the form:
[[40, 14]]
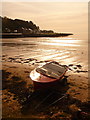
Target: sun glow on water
[[60, 44]]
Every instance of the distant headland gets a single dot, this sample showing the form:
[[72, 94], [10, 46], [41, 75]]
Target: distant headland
[[21, 28]]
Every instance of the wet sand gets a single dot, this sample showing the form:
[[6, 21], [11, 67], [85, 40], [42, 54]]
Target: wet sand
[[17, 88], [20, 100]]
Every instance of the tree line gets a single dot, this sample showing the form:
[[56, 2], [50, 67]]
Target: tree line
[[17, 25]]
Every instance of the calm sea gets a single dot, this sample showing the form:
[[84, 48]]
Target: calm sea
[[63, 49]]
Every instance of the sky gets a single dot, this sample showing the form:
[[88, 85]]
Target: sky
[[58, 16], [46, 0]]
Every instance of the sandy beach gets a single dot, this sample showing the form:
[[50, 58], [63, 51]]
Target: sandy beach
[[17, 87], [34, 33]]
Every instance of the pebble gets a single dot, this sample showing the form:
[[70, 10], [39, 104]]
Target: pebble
[[79, 66], [70, 64]]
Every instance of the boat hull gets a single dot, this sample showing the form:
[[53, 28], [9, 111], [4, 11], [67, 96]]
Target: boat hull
[[48, 79], [45, 86]]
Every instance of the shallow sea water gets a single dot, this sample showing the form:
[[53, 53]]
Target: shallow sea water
[[66, 50]]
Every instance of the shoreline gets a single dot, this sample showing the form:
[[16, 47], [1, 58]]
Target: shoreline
[[18, 60], [22, 35]]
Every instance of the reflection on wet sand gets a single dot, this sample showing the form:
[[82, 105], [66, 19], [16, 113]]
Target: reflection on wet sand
[[21, 56]]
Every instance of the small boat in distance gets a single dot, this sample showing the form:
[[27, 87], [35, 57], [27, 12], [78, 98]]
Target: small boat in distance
[[47, 74]]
